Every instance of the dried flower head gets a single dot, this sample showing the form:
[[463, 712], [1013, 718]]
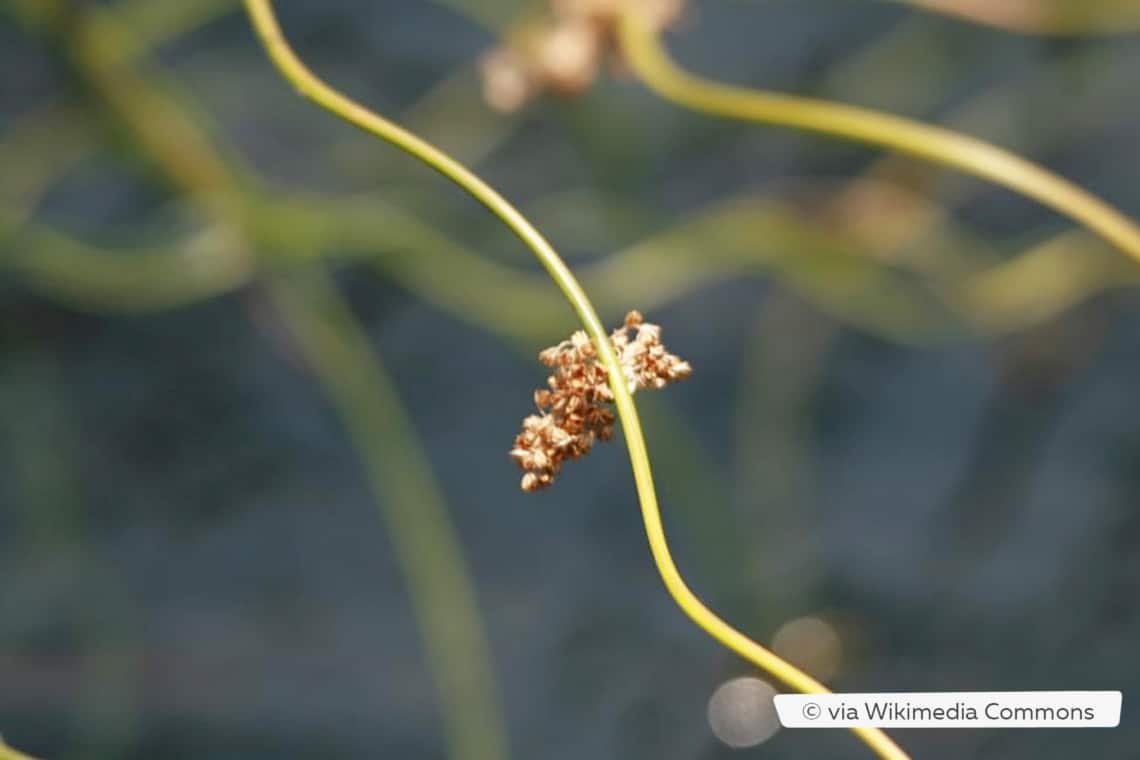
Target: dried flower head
[[562, 52], [574, 409], [567, 56], [643, 357], [507, 80]]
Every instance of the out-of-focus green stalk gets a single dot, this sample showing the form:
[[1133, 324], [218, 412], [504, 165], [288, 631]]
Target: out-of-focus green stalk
[[1041, 282], [653, 65], [412, 505], [185, 155], [90, 279], [1049, 17], [746, 236], [155, 22]]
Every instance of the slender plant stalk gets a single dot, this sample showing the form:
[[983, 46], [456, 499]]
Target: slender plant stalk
[[61, 268], [263, 18], [87, 278], [651, 62], [425, 543], [189, 160], [7, 753]]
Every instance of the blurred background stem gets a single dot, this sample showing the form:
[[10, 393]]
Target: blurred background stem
[[1055, 17], [184, 153], [649, 59], [411, 503]]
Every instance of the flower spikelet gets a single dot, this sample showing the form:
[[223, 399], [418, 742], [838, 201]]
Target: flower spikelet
[[574, 409], [643, 357]]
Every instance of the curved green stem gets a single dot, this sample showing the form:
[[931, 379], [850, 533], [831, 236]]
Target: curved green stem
[[7, 753], [262, 16], [412, 505], [87, 278], [653, 65], [189, 160]]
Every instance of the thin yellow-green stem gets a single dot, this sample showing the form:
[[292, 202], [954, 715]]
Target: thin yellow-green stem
[[262, 16], [265, 22], [7, 753], [652, 64]]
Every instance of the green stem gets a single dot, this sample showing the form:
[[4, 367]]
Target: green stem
[[7, 753], [187, 157], [424, 541], [264, 21], [651, 62]]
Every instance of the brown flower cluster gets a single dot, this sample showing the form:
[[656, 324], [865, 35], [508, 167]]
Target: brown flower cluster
[[563, 52], [573, 410]]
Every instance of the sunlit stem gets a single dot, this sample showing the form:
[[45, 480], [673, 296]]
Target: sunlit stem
[[262, 16], [652, 64]]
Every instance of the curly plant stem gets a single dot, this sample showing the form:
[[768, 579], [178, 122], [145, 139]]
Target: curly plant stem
[[264, 21], [653, 66]]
